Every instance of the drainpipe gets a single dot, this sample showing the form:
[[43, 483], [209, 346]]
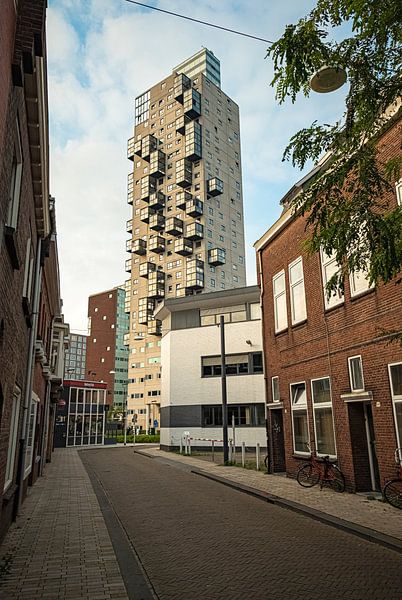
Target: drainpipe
[[28, 379], [46, 424]]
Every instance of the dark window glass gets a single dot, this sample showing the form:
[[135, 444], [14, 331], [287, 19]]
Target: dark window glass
[[257, 362]]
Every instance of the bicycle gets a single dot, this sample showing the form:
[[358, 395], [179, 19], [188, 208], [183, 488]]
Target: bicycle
[[320, 470], [392, 491]]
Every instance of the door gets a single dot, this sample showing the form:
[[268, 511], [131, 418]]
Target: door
[[373, 462], [278, 441]]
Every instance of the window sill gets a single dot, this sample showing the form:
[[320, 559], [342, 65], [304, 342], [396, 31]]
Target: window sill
[[329, 309], [357, 396], [9, 239], [361, 294], [281, 331], [299, 324], [273, 405]]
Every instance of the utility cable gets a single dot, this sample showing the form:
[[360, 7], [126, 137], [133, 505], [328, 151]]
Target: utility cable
[[201, 22]]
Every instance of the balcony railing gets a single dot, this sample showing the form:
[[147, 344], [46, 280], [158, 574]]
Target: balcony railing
[[146, 268], [130, 148], [156, 285], [195, 231], [145, 310], [149, 144], [182, 198], [145, 214], [154, 327], [138, 147], [192, 103], [129, 226], [195, 274], [157, 222], [181, 124], [157, 164], [184, 173], [128, 265], [193, 143], [156, 244], [157, 200], [181, 83]]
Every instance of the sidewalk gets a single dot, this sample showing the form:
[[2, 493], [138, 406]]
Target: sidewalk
[[60, 548], [371, 519]]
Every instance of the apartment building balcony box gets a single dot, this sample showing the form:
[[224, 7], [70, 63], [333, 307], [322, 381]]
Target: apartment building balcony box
[[192, 103], [156, 285], [130, 188], [181, 124], [129, 226], [156, 222], [183, 292], [195, 231], [145, 310], [139, 247], [181, 84], [157, 200], [137, 148], [146, 268], [182, 198], [126, 339], [130, 148], [146, 213], [193, 144], [174, 226], [148, 187], [194, 207], [129, 244], [157, 244], [157, 163], [154, 327], [216, 256], [127, 265], [183, 246], [149, 144], [214, 186], [184, 173], [195, 274]]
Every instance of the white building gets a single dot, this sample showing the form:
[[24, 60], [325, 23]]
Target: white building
[[191, 398]]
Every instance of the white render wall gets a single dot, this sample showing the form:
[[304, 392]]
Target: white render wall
[[170, 436]]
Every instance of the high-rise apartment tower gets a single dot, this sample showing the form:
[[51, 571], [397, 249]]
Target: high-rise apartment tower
[[187, 222]]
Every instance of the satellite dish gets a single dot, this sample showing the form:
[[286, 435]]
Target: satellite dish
[[327, 79]]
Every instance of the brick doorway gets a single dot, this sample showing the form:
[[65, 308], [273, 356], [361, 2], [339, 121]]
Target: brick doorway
[[362, 435]]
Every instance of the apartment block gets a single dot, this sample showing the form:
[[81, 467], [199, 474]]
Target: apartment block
[[186, 230], [75, 366], [106, 349]]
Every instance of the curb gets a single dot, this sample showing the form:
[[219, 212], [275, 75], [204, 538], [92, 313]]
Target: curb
[[360, 531]]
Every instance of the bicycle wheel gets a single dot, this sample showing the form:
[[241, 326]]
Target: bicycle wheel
[[393, 492], [266, 460], [307, 476], [336, 478]]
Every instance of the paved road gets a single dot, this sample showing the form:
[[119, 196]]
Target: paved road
[[199, 540]]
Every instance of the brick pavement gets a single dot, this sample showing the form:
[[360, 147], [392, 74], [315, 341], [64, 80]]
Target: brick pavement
[[60, 548], [355, 508]]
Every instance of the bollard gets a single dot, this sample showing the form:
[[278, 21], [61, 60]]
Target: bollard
[[213, 450], [230, 451], [181, 446], [257, 456], [243, 454], [189, 445]]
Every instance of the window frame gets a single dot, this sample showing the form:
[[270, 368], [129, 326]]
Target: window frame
[[350, 358], [13, 435], [317, 407], [14, 194], [274, 398], [304, 406], [275, 298], [30, 435], [335, 300], [396, 399]]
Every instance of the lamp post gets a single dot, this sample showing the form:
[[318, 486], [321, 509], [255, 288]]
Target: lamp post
[[224, 392]]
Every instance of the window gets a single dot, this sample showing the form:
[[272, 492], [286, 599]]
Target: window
[[12, 441], [246, 415], [15, 182], [329, 267], [280, 310], [395, 378], [30, 435], [236, 364], [399, 192], [28, 271], [297, 293], [275, 389], [359, 283], [356, 373], [255, 311], [323, 419], [298, 399]]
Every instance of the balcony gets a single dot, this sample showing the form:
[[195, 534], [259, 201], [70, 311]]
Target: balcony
[[216, 256], [183, 246], [195, 274], [193, 141], [146, 268], [157, 163], [127, 265], [148, 187], [129, 226], [149, 144], [126, 339], [129, 244], [145, 310], [214, 186], [157, 200], [182, 198], [127, 306], [154, 327], [183, 292], [157, 222], [194, 207], [130, 188], [156, 285], [181, 124], [195, 231], [174, 226], [130, 149], [181, 83], [192, 103], [184, 174], [145, 214], [156, 244], [139, 246], [137, 148]]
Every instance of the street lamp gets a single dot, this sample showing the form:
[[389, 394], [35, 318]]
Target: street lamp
[[124, 410], [328, 79]]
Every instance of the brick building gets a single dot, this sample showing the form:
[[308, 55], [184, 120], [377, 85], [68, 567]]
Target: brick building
[[106, 349], [333, 377], [32, 332]]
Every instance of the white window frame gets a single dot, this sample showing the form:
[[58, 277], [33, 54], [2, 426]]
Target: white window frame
[[350, 358], [317, 407], [15, 183], [278, 296], [30, 436], [12, 440], [28, 270], [396, 399], [337, 298], [354, 278], [398, 191], [292, 286], [300, 407], [275, 397]]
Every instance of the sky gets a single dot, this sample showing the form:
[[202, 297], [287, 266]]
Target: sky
[[104, 53]]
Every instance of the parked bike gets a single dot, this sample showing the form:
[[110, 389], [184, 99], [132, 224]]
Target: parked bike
[[392, 491], [320, 470]]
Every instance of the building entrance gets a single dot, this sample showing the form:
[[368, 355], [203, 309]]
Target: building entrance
[[362, 435], [278, 441]]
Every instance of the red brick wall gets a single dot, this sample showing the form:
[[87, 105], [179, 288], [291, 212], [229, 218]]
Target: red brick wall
[[321, 346], [105, 336]]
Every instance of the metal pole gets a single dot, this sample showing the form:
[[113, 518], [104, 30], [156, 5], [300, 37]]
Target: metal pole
[[224, 393], [243, 454], [258, 456], [125, 416], [213, 450], [234, 439]]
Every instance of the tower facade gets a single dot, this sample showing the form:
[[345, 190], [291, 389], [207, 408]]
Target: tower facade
[[187, 231]]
